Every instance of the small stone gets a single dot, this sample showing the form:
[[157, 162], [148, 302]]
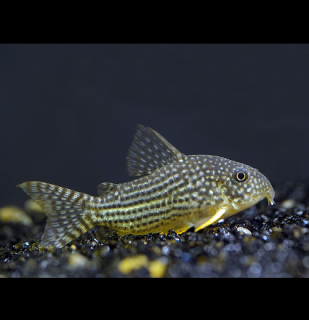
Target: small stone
[[306, 261], [31, 205], [129, 264], [157, 269], [242, 230], [77, 260], [288, 204], [14, 214]]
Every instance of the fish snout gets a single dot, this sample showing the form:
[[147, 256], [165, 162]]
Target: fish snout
[[266, 189], [271, 195]]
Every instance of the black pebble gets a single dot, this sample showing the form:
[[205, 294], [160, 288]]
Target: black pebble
[[263, 241]]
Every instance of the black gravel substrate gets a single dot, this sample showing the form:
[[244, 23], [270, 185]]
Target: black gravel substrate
[[263, 241]]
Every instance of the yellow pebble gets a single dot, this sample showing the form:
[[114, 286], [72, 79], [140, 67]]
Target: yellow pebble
[[77, 260], [129, 264], [14, 214], [288, 204], [201, 259], [30, 205], [157, 269]]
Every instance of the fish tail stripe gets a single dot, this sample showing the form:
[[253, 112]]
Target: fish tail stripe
[[64, 209]]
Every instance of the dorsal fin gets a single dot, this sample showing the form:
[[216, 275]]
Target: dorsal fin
[[149, 151], [106, 187]]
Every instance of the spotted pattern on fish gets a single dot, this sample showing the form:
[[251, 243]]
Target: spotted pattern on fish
[[63, 206], [175, 191]]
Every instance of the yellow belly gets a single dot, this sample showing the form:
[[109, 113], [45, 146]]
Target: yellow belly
[[197, 218]]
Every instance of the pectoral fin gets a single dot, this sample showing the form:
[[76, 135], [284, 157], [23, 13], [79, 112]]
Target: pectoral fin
[[201, 224], [103, 232], [183, 229]]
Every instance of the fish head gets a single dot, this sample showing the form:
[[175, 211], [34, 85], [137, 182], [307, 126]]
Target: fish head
[[244, 186]]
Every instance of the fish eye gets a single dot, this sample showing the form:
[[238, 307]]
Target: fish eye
[[241, 175]]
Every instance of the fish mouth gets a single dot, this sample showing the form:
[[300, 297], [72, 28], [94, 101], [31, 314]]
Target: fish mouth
[[270, 193]]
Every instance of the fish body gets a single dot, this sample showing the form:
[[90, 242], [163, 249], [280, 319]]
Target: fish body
[[176, 192]]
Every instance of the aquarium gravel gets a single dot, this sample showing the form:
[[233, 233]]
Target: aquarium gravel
[[263, 241]]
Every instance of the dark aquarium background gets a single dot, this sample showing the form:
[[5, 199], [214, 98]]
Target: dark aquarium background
[[68, 112]]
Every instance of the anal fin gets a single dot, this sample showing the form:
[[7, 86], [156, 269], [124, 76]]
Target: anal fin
[[103, 232], [121, 234]]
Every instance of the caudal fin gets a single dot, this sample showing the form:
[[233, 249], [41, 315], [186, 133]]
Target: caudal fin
[[63, 207]]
